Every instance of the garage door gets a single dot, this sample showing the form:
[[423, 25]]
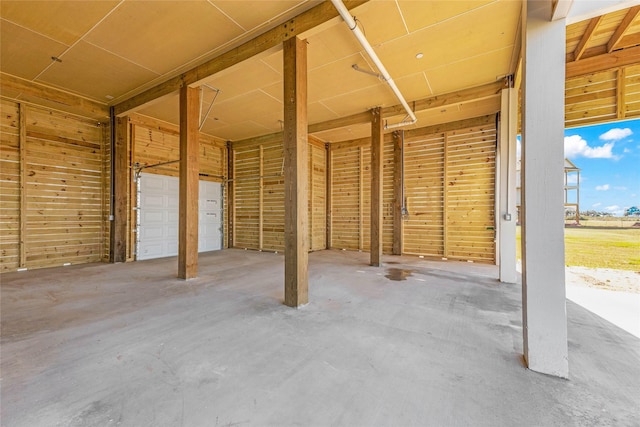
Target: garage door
[[159, 201]]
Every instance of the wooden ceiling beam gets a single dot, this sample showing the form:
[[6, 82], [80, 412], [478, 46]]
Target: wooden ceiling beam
[[582, 45], [60, 99], [607, 61], [438, 101], [622, 28], [265, 41]]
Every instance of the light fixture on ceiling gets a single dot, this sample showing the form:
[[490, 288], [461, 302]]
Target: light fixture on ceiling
[[419, 55]]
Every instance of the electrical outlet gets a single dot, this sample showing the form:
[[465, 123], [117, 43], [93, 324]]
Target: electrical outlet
[[507, 217]]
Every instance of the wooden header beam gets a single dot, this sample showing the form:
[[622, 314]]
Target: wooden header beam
[[64, 101], [265, 41], [607, 61], [438, 101]]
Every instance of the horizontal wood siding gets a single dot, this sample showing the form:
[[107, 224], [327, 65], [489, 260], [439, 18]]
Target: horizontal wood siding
[[449, 192], [470, 199], [9, 185], [603, 97], [258, 186], [424, 180], [273, 198], [317, 197], [246, 187], [345, 198], [65, 200], [632, 92]]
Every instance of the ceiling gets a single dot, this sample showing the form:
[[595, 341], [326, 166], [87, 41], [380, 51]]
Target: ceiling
[[109, 51]]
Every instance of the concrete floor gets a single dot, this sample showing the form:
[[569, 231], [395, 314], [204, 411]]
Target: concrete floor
[[130, 345]]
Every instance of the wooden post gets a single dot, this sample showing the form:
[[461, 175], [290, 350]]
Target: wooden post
[[261, 199], [22, 143], [621, 83], [328, 194], [445, 196], [296, 165], [398, 224], [121, 179], [377, 152], [361, 213], [230, 195], [189, 168]]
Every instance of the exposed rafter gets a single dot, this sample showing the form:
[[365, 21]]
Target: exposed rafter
[[265, 41], [622, 28], [582, 45]]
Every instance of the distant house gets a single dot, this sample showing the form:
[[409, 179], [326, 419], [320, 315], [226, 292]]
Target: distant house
[[571, 189]]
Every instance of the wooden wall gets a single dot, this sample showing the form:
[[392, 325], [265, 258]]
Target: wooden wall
[[258, 194], [603, 97], [449, 191], [54, 188], [350, 216]]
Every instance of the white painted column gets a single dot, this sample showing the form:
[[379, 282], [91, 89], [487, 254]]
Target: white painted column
[[507, 213], [543, 286]]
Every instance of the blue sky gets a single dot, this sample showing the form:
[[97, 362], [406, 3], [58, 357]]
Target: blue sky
[[608, 156]]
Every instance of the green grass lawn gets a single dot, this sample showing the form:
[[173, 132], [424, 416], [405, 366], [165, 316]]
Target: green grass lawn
[[600, 248]]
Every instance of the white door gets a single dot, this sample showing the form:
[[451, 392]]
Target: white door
[[209, 217], [159, 201]]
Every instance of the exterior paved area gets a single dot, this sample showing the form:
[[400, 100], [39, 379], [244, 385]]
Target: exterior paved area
[[131, 345]]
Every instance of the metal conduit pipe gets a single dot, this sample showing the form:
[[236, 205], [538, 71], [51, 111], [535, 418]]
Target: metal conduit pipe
[[351, 23]]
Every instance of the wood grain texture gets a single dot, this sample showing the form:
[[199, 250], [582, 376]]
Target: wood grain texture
[[377, 153], [189, 183], [296, 275]]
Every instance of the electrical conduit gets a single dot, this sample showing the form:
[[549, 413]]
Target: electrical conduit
[[351, 23]]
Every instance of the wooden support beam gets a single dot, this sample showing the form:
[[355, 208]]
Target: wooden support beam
[[607, 61], [361, 212], [231, 192], [296, 165], [445, 197], [121, 181], [189, 183], [34, 92], [265, 41], [398, 201], [622, 28], [261, 198], [22, 144], [377, 152], [621, 90], [438, 101], [582, 44], [329, 181]]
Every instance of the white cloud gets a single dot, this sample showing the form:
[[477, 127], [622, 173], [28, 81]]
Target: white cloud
[[575, 145], [595, 205], [626, 150], [604, 187], [620, 188], [616, 134]]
